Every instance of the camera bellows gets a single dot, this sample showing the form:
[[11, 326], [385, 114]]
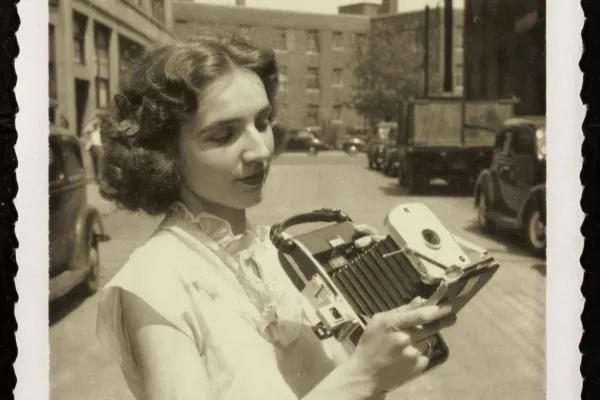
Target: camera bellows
[[373, 283]]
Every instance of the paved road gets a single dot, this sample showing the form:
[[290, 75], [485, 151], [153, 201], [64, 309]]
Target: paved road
[[498, 344]]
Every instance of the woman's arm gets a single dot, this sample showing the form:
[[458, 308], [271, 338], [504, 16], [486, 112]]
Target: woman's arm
[[167, 359]]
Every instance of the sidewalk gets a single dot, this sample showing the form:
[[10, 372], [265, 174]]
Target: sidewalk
[[104, 207]]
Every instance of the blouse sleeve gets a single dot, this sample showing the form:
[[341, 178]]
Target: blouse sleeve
[[152, 278]]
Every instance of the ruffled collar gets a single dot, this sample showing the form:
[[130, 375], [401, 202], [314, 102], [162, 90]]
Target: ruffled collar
[[220, 231], [255, 265]]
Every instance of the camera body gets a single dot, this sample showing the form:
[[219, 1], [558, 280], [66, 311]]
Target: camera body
[[347, 283]]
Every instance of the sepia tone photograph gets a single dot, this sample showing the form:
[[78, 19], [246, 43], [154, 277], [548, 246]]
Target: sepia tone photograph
[[258, 199]]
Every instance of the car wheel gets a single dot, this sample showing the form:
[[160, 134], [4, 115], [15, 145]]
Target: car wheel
[[92, 283], [484, 222], [412, 181], [535, 232]]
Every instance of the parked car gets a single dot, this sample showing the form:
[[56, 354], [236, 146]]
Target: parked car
[[375, 152], [306, 142], [511, 193], [384, 134], [75, 227], [353, 143], [391, 160]]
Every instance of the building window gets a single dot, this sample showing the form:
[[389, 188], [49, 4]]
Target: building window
[[79, 27], [52, 92], [283, 77], [312, 42], [158, 10], [312, 79], [102, 93], [337, 113], [53, 4], [312, 115], [337, 77], [337, 40], [101, 43], [282, 40], [360, 39], [128, 52]]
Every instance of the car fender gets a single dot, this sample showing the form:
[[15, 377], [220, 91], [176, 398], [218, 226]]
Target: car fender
[[483, 184], [88, 217], [535, 196]]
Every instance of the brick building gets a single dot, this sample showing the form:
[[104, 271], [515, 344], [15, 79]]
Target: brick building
[[505, 46], [313, 52], [91, 43], [413, 23]]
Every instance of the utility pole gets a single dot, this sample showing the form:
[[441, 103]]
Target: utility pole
[[426, 55], [448, 44]]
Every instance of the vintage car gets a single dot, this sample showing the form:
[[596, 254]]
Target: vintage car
[[353, 145], [384, 134], [391, 160], [511, 193], [75, 227], [375, 150]]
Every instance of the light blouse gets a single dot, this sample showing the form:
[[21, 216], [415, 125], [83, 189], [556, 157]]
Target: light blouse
[[230, 295]]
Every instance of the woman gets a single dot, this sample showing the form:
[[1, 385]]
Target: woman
[[203, 310]]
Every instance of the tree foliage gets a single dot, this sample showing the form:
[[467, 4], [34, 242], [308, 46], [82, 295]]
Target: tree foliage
[[388, 70]]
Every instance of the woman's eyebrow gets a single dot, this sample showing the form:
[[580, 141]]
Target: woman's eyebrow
[[265, 110]]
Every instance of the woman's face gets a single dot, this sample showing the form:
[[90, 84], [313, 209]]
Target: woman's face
[[225, 151]]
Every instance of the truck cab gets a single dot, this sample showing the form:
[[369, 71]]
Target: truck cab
[[511, 192]]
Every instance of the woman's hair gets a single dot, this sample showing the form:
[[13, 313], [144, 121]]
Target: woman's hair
[[165, 87]]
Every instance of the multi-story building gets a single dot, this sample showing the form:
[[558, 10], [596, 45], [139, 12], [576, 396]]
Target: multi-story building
[[505, 50], [440, 62], [368, 9], [313, 52], [91, 45]]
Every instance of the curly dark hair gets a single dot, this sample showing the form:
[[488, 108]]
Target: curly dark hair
[[164, 88]]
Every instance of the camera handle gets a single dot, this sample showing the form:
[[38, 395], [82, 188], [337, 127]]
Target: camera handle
[[322, 215]]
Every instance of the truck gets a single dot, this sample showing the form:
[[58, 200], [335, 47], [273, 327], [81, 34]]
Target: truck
[[449, 138]]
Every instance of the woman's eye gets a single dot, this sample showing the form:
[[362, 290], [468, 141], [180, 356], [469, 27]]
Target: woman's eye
[[223, 134], [262, 124]]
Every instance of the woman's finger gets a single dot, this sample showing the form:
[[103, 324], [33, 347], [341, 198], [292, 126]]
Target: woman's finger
[[364, 228], [400, 318], [419, 333], [368, 240]]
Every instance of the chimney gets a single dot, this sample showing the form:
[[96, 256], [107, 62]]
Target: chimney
[[389, 7], [240, 3]]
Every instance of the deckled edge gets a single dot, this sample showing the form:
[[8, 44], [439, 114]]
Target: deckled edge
[[9, 24]]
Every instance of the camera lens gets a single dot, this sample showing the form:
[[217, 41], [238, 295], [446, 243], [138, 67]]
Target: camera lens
[[431, 238]]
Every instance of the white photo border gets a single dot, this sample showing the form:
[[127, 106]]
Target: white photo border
[[565, 115]]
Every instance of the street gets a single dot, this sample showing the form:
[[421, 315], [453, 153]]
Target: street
[[497, 345]]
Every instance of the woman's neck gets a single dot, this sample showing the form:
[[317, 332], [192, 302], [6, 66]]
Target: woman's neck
[[235, 217]]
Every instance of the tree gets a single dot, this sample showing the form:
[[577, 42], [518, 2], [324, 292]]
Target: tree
[[388, 71]]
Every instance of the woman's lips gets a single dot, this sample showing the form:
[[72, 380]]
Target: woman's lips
[[255, 179]]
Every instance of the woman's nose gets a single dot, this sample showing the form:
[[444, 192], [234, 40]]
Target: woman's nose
[[257, 146]]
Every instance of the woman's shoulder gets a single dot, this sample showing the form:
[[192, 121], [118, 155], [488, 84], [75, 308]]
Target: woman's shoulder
[[152, 262]]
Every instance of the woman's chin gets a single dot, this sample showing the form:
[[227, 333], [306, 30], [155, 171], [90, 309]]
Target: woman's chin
[[249, 199]]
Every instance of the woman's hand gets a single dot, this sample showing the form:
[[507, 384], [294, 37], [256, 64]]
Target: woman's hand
[[392, 349]]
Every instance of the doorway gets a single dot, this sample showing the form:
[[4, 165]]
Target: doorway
[[82, 88]]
